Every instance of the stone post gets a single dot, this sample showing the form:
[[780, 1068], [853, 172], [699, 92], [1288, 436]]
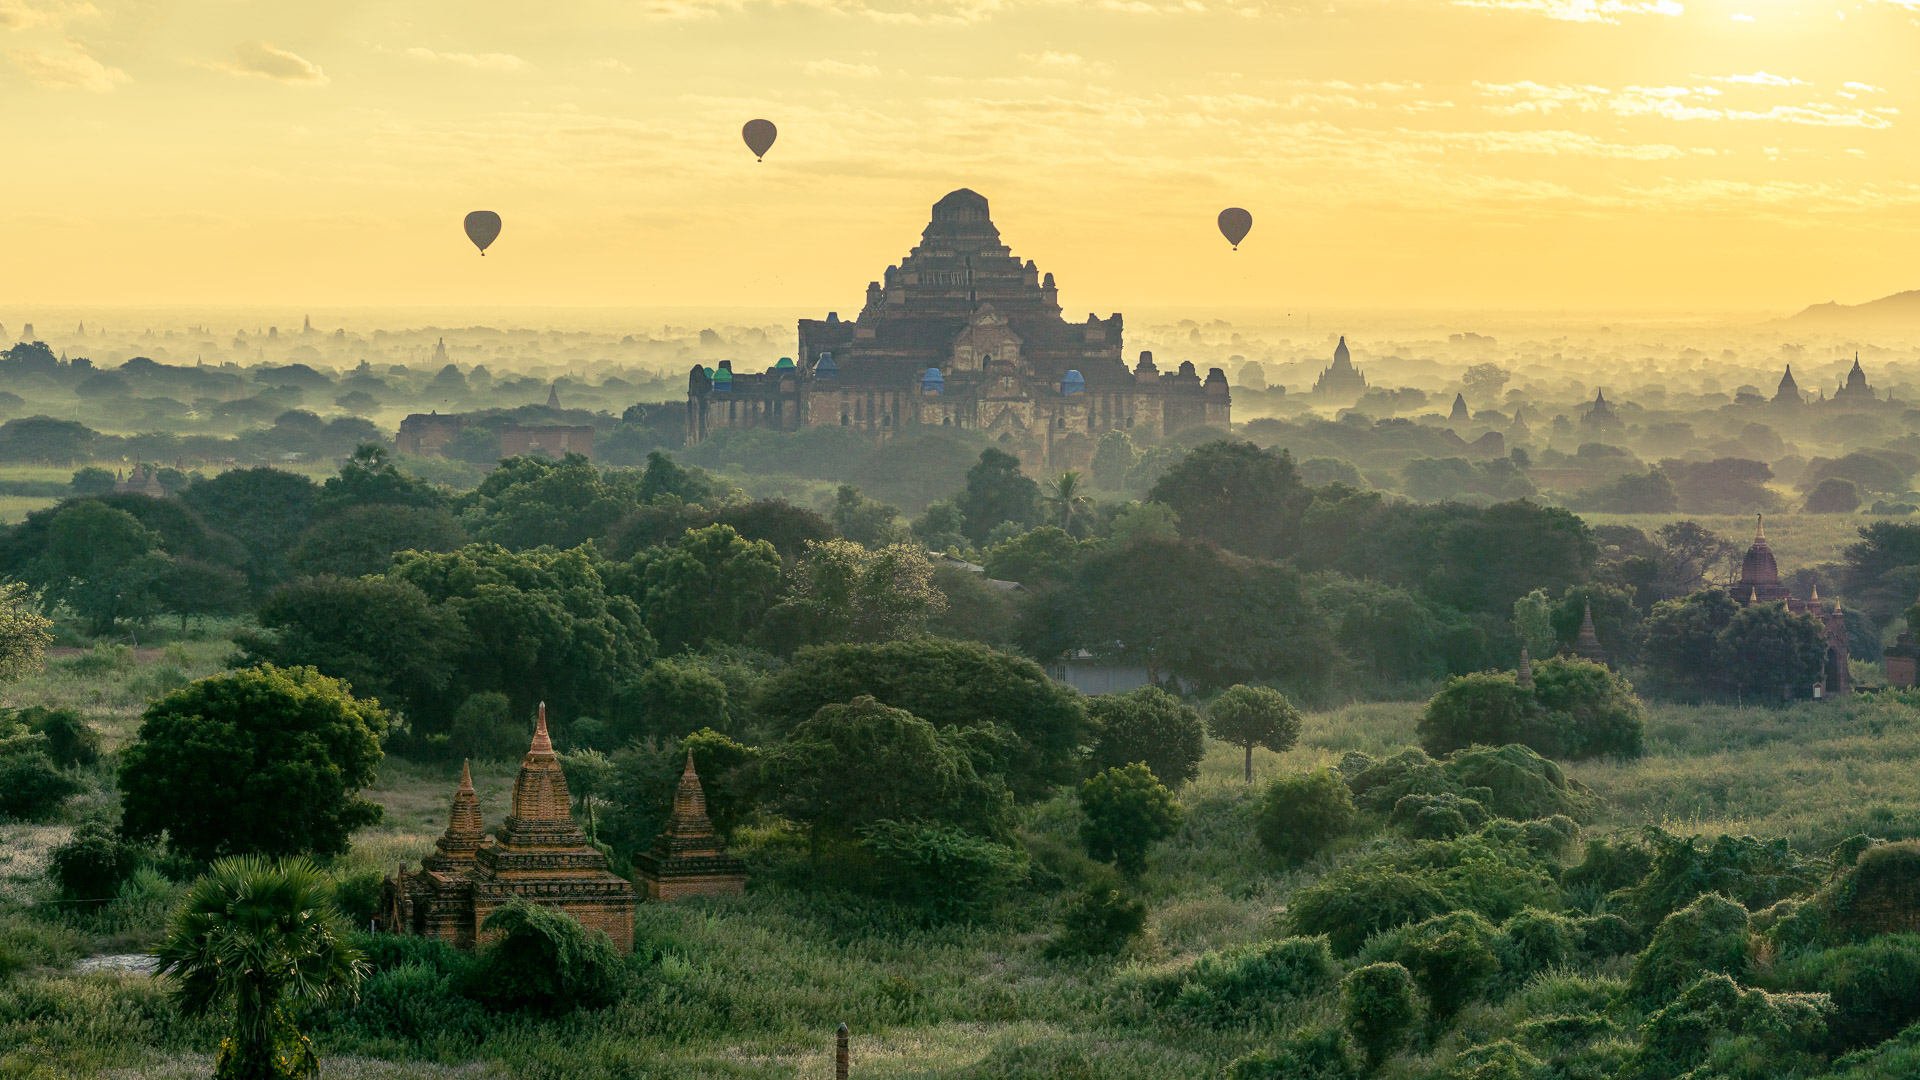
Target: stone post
[[840, 1053]]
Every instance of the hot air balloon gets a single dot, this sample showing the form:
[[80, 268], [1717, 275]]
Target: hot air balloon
[[483, 228], [759, 135], [1234, 225]]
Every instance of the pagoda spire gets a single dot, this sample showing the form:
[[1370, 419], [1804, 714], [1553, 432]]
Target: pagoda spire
[[1526, 668], [542, 742], [1587, 645]]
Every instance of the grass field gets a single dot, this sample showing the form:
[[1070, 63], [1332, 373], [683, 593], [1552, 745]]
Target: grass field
[[753, 987]]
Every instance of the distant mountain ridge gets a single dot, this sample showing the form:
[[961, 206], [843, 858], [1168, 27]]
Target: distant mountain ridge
[[1903, 307]]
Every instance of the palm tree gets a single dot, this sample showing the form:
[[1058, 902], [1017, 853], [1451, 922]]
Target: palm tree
[[265, 936], [1066, 497]]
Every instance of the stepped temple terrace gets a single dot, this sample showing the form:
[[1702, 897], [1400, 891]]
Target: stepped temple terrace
[[961, 333], [540, 855]]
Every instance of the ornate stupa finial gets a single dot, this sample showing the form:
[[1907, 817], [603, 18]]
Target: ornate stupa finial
[[542, 742], [1760, 527], [1526, 667]]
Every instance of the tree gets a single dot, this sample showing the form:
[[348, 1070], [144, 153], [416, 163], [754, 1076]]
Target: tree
[[941, 527], [672, 698], [1690, 556], [850, 766], [996, 493], [362, 540], [1533, 623], [1683, 642], [662, 479], [102, 563], [589, 778], [710, 587], [1238, 496], [841, 591], [867, 522], [787, 527], [92, 480], [1113, 458], [532, 501], [1250, 716], [1039, 556], [385, 638], [1183, 608], [484, 728], [189, 587], [1722, 486], [44, 439], [264, 939], [1067, 496], [1651, 492], [369, 477], [24, 633], [265, 509], [1482, 382], [1834, 495], [1152, 727], [1124, 811], [1028, 728], [1138, 521], [266, 760], [1772, 653], [1591, 708]]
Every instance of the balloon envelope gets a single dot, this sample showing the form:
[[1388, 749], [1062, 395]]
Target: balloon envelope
[[1235, 223], [483, 227], [759, 135]]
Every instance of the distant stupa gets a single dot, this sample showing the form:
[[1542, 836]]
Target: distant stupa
[[1459, 415], [553, 396], [1341, 378]]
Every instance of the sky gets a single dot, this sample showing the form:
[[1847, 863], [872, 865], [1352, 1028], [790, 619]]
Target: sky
[[1578, 155]]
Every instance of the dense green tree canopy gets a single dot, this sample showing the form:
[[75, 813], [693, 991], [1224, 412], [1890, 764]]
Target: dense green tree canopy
[[363, 539], [852, 765], [711, 586], [1036, 728], [1237, 495], [1150, 726], [264, 760], [997, 493]]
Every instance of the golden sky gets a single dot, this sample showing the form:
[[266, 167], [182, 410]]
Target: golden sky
[[1536, 154]]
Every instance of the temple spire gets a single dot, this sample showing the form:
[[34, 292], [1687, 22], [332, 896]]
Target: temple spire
[[542, 742], [1526, 668], [1760, 527], [1587, 646]]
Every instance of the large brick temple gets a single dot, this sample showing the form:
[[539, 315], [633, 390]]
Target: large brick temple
[[961, 333], [540, 855]]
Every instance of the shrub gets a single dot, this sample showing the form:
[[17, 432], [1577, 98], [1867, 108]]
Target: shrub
[[1483, 709], [1532, 942], [1300, 814], [1606, 866], [1500, 1060], [357, 895], [1754, 872], [1775, 1030], [92, 864], [1123, 812], [1231, 986], [543, 961], [1100, 921], [32, 787], [1360, 899], [1310, 1054], [1378, 1008], [1450, 957], [1605, 935], [1520, 784], [1876, 893], [71, 741], [1590, 708], [1438, 817], [484, 729], [1875, 987], [947, 872], [1152, 726], [1378, 785], [1708, 935]]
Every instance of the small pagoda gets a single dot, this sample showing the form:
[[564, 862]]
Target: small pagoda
[[1586, 645], [688, 858], [539, 855]]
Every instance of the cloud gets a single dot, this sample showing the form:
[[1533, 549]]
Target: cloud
[[1669, 102], [1758, 78], [608, 63], [69, 70], [257, 58], [492, 61], [842, 69], [1737, 17], [18, 16], [1584, 11]]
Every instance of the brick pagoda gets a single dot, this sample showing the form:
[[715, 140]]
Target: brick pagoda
[[688, 858], [540, 855]]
